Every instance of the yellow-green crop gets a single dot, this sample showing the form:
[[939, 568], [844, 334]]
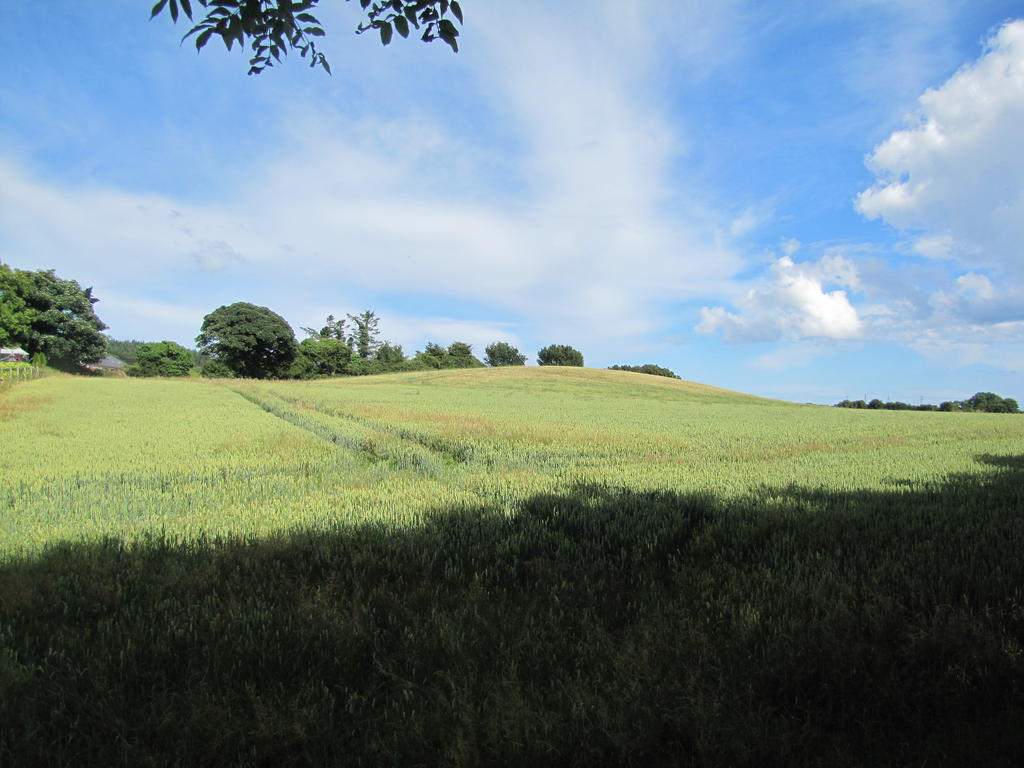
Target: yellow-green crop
[[84, 458], [516, 566]]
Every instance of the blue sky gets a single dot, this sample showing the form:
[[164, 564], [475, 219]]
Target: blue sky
[[812, 201]]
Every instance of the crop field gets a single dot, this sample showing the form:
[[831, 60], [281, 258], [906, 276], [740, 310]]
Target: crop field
[[503, 566]]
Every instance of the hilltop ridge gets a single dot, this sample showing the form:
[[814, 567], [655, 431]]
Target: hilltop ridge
[[560, 379]]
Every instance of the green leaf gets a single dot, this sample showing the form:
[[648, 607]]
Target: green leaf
[[457, 11], [203, 38], [402, 26], [157, 8], [186, 7], [385, 33], [237, 30], [174, 11], [314, 31]]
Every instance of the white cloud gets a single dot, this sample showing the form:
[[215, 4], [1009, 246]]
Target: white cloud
[[957, 175], [934, 247], [972, 321], [216, 256], [1000, 346], [792, 356], [792, 305], [977, 285], [746, 222], [954, 181]]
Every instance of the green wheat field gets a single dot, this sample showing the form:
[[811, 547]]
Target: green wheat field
[[511, 566]]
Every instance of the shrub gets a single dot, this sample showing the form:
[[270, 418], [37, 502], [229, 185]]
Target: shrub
[[501, 353], [161, 358], [390, 354], [649, 368], [215, 369], [560, 354], [457, 355]]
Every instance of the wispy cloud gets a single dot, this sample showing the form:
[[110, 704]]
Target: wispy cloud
[[589, 239]]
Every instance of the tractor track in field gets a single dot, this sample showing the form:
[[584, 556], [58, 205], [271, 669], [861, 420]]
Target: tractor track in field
[[368, 439], [455, 453]]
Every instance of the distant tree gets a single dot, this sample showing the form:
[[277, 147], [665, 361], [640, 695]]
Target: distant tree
[[649, 368], [364, 338], [321, 356], [331, 355], [457, 355], [272, 28], [389, 354], [433, 356], [162, 358], [15, 315], [980, 401], [253, 342], [45, 314], [989, 402], [124, 349], [460, 355], [501, 353], [215, 369], [559, 354], [333, 329]]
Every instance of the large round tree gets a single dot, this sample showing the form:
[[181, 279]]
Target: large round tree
[[48, 315], [254, 342]]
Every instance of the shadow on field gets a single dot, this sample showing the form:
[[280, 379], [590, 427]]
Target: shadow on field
[[600, 626]]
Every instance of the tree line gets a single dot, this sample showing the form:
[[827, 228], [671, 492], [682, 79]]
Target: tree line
[[979, 402], [55, 321], [251, 341], [648, 368]]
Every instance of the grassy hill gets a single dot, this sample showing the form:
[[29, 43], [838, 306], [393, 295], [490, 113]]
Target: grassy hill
[[510, 566]]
